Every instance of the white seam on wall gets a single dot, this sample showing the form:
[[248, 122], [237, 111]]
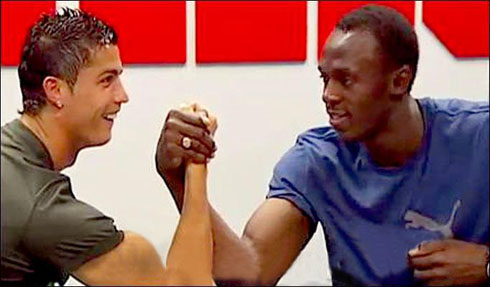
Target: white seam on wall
[[418, 15], [190, 16], [311, 32]]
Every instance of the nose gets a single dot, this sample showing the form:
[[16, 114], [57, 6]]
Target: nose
[[121, 95], [331, 95]]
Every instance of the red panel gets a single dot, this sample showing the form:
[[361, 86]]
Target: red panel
[[17, 18], [149, 31], [330, 12], [250, 31], [462, 26]]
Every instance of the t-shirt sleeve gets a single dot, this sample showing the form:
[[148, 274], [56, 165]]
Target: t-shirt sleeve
[[65, 232], [289, 181]]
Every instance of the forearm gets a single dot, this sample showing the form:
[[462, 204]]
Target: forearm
[[175, 179], [235, 259], [192, 248]]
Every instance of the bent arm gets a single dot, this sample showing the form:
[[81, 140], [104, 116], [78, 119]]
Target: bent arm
[[189, 262], [133, 262], [272, 240]]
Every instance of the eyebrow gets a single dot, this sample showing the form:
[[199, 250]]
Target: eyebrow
[[114, 72], [342, 71]]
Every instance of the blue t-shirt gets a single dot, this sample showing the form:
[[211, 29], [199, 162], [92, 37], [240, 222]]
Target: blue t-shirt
[[372, 216]]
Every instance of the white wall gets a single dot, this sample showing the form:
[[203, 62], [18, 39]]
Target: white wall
[[261, 110]]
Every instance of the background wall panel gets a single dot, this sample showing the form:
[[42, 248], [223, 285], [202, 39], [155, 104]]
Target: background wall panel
[[150, 32], [250, 31], [17, 17], [462, 26]]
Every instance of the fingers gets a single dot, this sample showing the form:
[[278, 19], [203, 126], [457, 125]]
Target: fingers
[[189, 125], [448, 261], [187, 115], [426, 255], [181, 123], [211, 122], [434, 277], [182, 154], [427, 262], [207, 118], [198, 110], [427, 247], [195, 146], [431, 274]]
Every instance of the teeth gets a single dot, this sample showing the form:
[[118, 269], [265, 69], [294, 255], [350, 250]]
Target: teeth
[[111, 117], [338, 114]]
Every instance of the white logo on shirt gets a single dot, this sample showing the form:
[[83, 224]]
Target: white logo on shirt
[[416, 220]]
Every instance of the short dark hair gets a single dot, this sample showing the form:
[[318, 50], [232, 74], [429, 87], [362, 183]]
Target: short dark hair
[[58, 45], [394, 33]]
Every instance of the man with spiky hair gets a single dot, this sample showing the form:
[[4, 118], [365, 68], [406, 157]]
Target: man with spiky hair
[[69, 78], [398, 184]]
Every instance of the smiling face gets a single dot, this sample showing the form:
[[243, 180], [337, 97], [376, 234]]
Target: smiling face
[[91, 106], [355, 84]]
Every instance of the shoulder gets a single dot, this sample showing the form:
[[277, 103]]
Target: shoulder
[[318, 135], [456, 108], [457, 116], [58, 215], [317, 141], [26, 187], [313, 146], [65, 231], [55, 204]]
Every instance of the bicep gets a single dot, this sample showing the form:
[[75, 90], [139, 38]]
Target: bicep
[[133, 262], [278, 230]]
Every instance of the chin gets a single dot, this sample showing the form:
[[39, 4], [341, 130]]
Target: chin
[[349, 136], [100, 141]]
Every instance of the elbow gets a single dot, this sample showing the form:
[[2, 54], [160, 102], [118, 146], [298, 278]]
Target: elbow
[[244, 270], [179, 277]]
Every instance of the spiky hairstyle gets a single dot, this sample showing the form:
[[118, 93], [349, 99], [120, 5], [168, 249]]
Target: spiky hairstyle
[[58, 45]]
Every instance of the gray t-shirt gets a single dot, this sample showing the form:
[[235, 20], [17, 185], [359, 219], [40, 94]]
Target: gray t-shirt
[[46, 231]]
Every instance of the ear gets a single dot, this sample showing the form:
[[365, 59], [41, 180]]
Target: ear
[[400, 80], [55, 89]]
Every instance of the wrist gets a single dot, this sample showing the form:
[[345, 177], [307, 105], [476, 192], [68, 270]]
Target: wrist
[[174, 180]]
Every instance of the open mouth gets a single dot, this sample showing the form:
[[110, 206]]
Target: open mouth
[[338, 118], [111, 117]]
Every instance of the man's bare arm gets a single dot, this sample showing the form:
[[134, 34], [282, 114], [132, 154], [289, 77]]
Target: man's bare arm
[[189, 262], [190, 258], [274, 235]]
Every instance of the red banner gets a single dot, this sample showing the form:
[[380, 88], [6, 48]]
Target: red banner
[[17, 18], [461, 26], [250, 31], [150, 32]]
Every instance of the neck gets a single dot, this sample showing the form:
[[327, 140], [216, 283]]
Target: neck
[[62, 152], [401, 138]]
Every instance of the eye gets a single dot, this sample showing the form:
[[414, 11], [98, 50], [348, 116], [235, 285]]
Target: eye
[[106, 81], [347, 81]]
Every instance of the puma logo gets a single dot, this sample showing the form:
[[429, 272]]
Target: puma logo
[[416, 220]]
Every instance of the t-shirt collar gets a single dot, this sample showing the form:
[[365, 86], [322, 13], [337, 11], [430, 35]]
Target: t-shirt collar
[[37, 152]]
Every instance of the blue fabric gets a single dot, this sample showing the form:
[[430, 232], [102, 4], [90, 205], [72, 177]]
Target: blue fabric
[[372, 216]]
